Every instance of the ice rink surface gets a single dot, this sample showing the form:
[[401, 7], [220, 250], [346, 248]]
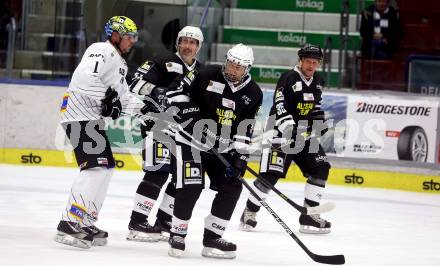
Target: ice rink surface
[[371, 227]]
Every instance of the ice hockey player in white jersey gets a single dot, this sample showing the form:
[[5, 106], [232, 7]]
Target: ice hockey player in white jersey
[[98, 89]]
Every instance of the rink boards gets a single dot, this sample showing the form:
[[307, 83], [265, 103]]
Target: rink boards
[[354, 177]]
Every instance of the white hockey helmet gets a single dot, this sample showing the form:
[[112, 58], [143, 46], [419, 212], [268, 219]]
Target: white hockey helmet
[[242, 55], [191, 32]]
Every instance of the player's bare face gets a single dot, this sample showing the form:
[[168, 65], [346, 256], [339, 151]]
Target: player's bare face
[[234, 72], [188, 49], [127, 43], [308, 66]]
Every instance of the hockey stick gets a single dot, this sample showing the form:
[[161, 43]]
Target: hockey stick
[[325, 207], [327, 259]]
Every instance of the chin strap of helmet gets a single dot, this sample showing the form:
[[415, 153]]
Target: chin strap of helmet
[[116, 44]]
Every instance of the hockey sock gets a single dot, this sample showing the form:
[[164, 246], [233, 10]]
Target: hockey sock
[[147, 194], [313, 194], [166, 207], [87, 195], [214, 227]]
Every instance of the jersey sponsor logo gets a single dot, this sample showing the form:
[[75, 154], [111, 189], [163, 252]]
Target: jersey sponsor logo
[[64, 102], [431, 185], [174, 67], [308, 97], [145, 206], [31, 159], [145, 67], [297, 86], [162, 154], [102, 161], [321, 158], [96, 55], [279, 96], [225, 117], [353, 179], [192, 173], [122, 71], [363, 107], [246, 99], [304, 108], [277, 161], [215, 87], [218, 226], [228, 103], [180, 228]]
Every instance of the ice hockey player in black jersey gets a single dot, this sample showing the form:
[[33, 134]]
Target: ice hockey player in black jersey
[[229, 100], [154, 78], [297, 117]]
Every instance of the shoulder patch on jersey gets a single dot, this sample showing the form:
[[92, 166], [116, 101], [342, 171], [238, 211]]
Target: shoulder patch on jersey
[[228, 103], [216, 87], [308, 97], [174, 67], [145, 67], [297, 86]]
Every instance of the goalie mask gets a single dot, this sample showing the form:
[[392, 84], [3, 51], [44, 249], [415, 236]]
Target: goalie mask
[[239, 60]]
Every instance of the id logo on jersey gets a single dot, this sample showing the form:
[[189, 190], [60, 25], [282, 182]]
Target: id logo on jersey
[[162, 153], [276, 161], [192, 172]]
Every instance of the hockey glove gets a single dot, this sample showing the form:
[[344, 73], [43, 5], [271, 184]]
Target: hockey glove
[[319, 115], [238, 165], [188, 80], [111, 105]]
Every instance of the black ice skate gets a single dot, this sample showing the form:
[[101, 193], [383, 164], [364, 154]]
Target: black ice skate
[[143, 232], [70, 233], [99, 236], [313, 224], [164, 228], [218, 248], [248, 220], [177, 245]]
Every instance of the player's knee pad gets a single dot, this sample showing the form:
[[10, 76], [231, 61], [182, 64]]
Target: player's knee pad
[[319, 175]]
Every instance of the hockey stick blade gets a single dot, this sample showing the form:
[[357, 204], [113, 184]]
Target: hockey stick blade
[[325, 259]]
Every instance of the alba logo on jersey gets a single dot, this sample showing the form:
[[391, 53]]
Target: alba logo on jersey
[[304, 108]]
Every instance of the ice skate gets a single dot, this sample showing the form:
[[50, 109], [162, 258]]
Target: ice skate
[[248, 220], [143, 232], [177, 246], [218, 248], [70, 233], [99, 236], [164, 228], [313, 224]]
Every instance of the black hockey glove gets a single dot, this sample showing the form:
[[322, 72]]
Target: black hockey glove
[[159, 94], [238, 165], [188, 80], [111, 105], [319, 115]]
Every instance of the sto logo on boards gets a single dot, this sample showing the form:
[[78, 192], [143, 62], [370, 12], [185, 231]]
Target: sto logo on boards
[[30, 159], [353, 179]]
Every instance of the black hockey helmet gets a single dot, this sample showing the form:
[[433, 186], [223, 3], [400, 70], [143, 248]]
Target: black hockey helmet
[[310, 51]]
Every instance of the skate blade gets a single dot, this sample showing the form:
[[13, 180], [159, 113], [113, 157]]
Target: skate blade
[[177, 253], [164, 236], [143, 237], [217, 254], [246, 227], [306, 229], [99, 242], [72, 241]]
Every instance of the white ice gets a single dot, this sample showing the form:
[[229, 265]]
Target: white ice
[[370, 226]]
